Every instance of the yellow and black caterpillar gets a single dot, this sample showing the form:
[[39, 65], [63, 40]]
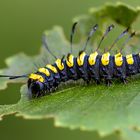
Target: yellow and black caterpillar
[[87, 67]]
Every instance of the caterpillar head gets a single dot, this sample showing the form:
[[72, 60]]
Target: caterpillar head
[[36, 86]]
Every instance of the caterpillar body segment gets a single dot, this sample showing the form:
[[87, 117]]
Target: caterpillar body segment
[[87, 67], [95, 66], [106, 68]]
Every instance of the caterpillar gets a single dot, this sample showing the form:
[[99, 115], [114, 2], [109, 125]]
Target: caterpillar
[[95, 66]]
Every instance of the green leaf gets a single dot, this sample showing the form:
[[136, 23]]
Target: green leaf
[[119, 13], [28, 64], [130, 135], [88, 107], [14, 68]]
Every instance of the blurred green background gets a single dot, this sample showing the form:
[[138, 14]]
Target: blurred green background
[[22, 23]]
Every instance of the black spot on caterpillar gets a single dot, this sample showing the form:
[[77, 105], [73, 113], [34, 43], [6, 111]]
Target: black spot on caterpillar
[[87, 67]]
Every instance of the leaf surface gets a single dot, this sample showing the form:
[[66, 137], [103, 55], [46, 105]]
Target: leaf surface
[[88, 107]]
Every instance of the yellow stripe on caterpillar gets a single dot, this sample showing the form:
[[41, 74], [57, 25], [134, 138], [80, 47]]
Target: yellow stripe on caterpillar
[[70, 61], [118, 59], [45, 71], [105, 58], [92, 58], [59, 64], [52, 68], [36, 77], [129, 59], [80, 58]]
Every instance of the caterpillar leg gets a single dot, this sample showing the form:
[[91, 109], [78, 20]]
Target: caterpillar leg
[[108, 82], [37, 95], [87, 82], [124, 80], [97, 81]]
